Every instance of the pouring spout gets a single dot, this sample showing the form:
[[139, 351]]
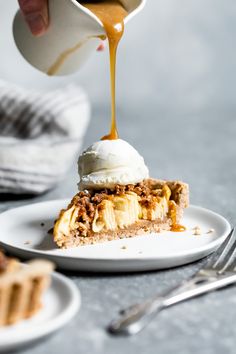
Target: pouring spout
[[133, 7]]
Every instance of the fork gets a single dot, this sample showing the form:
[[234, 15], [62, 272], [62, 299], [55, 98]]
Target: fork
[[218, 272]]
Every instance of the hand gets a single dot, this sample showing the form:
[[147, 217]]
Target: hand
[[36, 15]]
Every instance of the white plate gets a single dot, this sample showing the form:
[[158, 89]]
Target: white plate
[[60, 303], [24, 233]]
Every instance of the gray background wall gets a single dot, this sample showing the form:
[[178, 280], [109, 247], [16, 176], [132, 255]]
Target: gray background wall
[[179, 53], [176, 94], [176, 104]]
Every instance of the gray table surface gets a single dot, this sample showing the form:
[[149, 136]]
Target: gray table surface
[[199, 148]]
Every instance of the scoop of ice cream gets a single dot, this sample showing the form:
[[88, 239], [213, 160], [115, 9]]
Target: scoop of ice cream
[[109, 162]]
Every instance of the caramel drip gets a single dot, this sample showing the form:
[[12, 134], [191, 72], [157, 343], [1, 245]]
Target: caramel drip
[[175, 227], [178, 228], [111, 13]]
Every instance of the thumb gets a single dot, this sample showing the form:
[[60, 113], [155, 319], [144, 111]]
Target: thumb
[[36, 15]]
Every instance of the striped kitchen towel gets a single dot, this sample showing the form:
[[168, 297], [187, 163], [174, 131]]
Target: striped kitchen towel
[[40, 135]]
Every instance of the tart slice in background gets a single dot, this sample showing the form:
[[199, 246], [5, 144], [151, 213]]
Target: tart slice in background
[[21, 288]]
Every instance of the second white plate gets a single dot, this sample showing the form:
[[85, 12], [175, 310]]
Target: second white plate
[[24, 233], [61, 302]]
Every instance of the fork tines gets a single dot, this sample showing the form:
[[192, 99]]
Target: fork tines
[[224, 258]]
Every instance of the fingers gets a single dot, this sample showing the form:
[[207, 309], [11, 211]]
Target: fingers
[[36, 15], [101, 47]]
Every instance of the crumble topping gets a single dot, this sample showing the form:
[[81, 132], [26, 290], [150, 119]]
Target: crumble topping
[[145, 190]]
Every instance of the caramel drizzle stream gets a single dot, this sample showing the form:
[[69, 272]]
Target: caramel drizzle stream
[[112, 14]]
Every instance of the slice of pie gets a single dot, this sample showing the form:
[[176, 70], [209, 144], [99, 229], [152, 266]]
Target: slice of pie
[[21, 288], [124, 211]]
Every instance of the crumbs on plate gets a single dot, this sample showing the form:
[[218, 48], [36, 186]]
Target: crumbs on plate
[[210, 231], [197, 231], [124, 247]]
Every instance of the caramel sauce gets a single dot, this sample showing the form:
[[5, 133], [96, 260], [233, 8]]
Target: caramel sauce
[[55, 67], [63, 57], [112, 14], [173, 215], [178, 228]]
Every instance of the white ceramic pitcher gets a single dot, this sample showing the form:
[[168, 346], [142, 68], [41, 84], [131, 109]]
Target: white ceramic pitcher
[[71, 29]]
